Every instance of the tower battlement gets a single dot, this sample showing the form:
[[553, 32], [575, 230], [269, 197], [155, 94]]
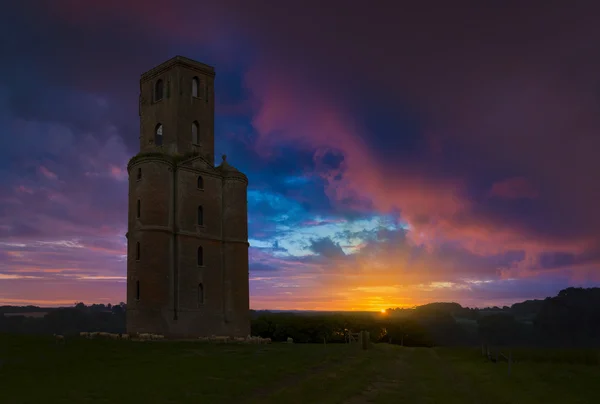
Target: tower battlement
[[177, 60]]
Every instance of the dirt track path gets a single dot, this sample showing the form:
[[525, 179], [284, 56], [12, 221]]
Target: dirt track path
[[323, 369], [388, 378], [417, 375]]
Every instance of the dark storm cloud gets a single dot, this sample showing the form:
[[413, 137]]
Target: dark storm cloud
[[327, 248]]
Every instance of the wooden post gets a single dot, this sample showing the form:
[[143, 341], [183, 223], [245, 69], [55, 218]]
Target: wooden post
[[364, 339], [509, 361], [497, 350], [482, 350]]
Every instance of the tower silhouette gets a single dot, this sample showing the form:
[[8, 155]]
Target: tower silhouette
[[187, 256]]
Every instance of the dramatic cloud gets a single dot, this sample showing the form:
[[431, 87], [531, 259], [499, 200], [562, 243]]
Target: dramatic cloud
[[397, 155], [327, 248]]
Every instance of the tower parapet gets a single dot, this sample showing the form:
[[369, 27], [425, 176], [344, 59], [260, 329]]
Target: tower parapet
[[177, 108]]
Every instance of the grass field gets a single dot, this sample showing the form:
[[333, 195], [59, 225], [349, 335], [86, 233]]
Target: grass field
[[37, 370]]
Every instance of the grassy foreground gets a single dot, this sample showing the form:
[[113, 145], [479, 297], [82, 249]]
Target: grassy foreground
[[37, 370]]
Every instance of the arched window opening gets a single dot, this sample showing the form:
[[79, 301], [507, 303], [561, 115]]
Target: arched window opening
[[195, 86], [200, 256], [200, 182], [200, 294], [158, 90], [158, 135], [139, 208], [139, 174], [137, 290], [195, 132], [200, 216], [137, 251]]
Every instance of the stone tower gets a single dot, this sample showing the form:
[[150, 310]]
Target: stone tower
[[187, 254]]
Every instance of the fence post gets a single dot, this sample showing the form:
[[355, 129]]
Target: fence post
[[497, 351], [364, 340], [509, 360]]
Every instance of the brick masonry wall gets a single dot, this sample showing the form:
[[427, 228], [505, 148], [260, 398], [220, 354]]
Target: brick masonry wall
[[152, 230], [168, 271], [167, 229]]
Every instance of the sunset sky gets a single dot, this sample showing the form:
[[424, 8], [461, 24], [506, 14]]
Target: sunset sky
[[396, 155]]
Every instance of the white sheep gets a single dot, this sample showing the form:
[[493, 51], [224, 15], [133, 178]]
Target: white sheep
[[252, 340], [84, 334], [221, 338], [290, 340], [59, 338]]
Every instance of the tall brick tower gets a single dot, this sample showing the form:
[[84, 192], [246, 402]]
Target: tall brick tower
[[187, 254]]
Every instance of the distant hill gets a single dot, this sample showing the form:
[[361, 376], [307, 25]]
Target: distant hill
[[25, 309], [523, 311], [569, 319], [313, 312]]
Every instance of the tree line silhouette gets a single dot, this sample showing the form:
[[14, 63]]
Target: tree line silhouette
[[571, 318]]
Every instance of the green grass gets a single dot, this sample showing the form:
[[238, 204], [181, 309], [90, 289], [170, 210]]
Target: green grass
[[558, 356], [445, 375], [36, 369]]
